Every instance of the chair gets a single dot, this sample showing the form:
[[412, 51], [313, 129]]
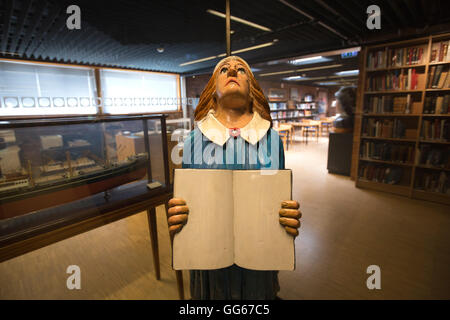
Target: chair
[[307, 130], [325, 125], [285, 133]]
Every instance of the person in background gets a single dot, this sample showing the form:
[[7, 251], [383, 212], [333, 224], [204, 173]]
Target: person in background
[[346, 102]]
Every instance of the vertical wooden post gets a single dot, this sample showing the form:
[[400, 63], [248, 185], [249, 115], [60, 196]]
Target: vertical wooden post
[[165, 151], [358, 113], [98, 90], [151, 216], [147, 149], [227, 27]]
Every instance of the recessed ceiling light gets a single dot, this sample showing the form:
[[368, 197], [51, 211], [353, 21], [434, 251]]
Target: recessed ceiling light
[[347, 73], [293, 78], [300, 78], [249, 23], [328, 83], [309, 60]]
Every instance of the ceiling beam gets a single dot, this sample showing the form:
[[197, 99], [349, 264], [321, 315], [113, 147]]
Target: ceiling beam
[[55, 12], [20, 22], [339, 16], [8, 13], [314, 19], [398, 13], [37, 14]]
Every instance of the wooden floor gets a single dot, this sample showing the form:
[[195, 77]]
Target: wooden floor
[[344, 231]]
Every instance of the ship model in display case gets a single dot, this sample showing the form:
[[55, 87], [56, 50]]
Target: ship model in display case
[[44, 164]]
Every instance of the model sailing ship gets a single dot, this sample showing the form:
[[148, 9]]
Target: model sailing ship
[[60, 182]]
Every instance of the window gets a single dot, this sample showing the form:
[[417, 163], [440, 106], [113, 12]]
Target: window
[[139, 92], [33, 89]]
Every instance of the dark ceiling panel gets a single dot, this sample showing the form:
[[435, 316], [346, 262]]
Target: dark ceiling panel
[[127, 33]]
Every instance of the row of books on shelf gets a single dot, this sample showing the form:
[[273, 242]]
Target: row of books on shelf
[[430, 181], [290, 114], [380, 173], [396, 80], [387, 128], [440, 52], [425, 180], [392, 104], [437, 104], [403, 153], [435, 129], [277, 105], [406, 56], [425, 155], [438, 77], [432, 156], [397, 57]]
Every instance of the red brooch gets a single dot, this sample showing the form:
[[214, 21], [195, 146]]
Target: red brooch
[[235, 132]]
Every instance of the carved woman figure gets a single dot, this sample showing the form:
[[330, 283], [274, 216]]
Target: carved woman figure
[[233, 108]]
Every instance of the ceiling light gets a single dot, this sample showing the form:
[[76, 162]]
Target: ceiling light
[[328, 83], [253, 48], [313, 78], [251, 24], [274, 73], [299, 70], [300, 78], [198, 60], [224, 54], [293, 78], [309, 60], [347, 73], [321, 67]]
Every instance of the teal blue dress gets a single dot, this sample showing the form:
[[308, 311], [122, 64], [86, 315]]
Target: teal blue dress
[[233, 282]]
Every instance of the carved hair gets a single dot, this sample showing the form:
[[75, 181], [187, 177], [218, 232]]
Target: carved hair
[[208, 101]]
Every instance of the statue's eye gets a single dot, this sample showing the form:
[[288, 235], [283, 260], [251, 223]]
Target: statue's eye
[[224, 70], [241, 70]]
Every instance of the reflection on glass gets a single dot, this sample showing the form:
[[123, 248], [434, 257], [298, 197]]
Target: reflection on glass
[[45, 166]]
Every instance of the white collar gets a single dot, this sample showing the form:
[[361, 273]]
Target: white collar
[[215, 131]]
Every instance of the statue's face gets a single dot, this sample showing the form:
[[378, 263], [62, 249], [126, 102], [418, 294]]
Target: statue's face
[[232, 82]]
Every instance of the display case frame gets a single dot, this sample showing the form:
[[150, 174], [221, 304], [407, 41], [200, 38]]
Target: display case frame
[[40, 228]]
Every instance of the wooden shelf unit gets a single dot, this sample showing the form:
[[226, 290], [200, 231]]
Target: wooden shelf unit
[[362, 97]]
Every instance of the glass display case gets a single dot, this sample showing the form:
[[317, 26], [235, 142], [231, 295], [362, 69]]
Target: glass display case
[[47, 163]]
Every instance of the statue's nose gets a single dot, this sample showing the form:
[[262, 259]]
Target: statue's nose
[[232, 72]]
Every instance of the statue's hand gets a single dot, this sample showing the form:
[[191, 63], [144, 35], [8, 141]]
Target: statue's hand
[[290, 216], [177, 215]]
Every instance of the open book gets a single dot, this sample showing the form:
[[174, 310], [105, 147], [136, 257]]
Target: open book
[[233, 219]]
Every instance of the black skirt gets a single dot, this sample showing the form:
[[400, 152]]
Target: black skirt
[[234, 283]]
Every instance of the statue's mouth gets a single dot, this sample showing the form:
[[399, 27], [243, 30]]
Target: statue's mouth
[[232, 80]]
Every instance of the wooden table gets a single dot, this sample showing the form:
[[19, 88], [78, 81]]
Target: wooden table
[[44, 227], [302, 125]]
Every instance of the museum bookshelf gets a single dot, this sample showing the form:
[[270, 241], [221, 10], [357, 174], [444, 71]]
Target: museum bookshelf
[[402, 120], [292, 110]]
